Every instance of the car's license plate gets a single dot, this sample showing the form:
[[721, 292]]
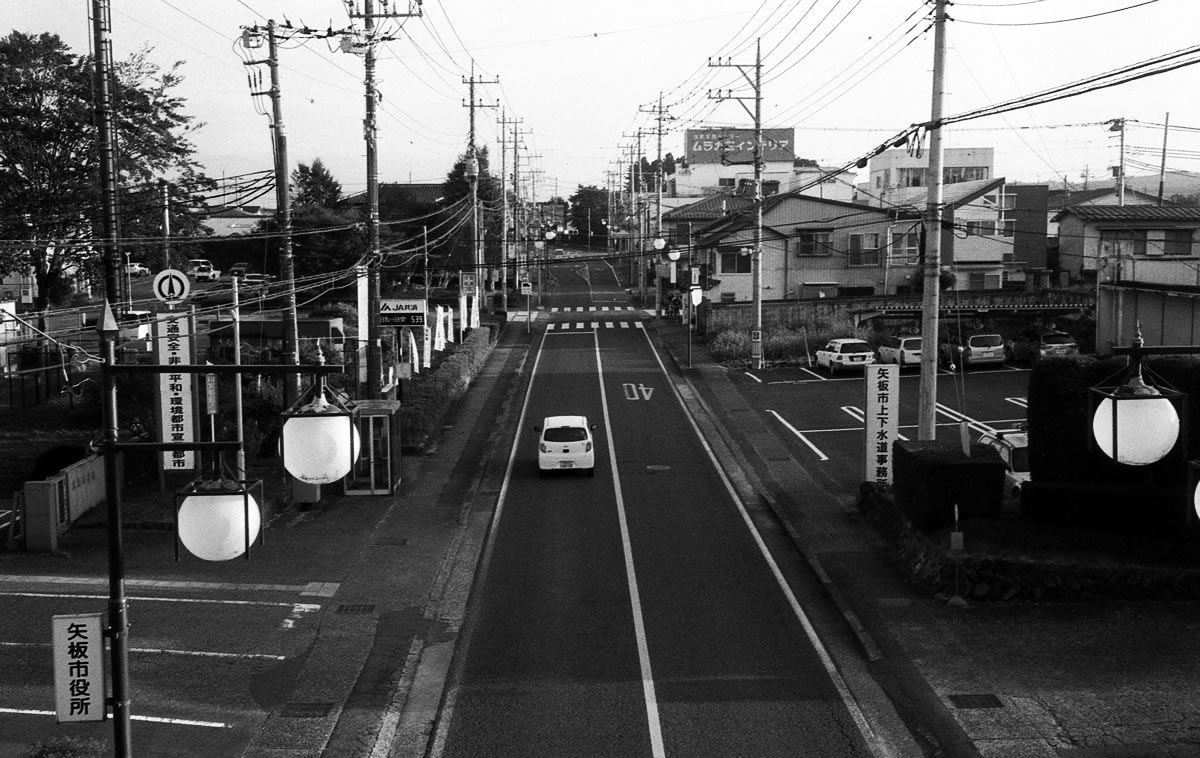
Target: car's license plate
[[566, 464]]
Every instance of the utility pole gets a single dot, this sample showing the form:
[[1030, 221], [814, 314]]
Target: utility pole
[[658, 182], [1162, 170], [927, 405], [370, 136], [755, 81], [165, 193], [283, 204], [472, 171], [118, 622], [503, 214]]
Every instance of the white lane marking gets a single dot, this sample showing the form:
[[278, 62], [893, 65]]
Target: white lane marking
[[975, 424], [859, 415], [1017, 401], [657, 748], [752, 376], [877, 745], [170, 651], [800, 436], [296, 607], [152, 719]]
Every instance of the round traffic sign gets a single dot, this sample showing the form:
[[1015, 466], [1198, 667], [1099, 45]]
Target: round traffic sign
[[171, 286]]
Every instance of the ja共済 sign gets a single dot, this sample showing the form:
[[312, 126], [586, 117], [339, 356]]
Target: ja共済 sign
[[402, 312]]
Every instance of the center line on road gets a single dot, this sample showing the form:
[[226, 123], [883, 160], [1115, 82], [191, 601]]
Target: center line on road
[[658, 750]]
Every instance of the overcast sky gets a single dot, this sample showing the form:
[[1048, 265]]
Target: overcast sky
[[585, 78]]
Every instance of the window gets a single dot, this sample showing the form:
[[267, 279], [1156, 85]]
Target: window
[[981, 228], [813, 243], [864, 250], [905, 248], [736, 262], [1122, 242], [1178, 242], [1008, 227], [730, 182]]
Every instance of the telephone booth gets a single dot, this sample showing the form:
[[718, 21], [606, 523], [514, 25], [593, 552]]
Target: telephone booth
[[377, 471]]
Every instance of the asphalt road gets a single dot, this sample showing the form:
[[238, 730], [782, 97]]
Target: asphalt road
[[633, 613]]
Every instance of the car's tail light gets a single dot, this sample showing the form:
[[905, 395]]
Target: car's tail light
[[543, 448], [587, 448]]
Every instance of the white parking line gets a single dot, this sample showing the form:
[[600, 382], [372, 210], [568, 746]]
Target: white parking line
[[859, 415], [151, 719], [800, 436]]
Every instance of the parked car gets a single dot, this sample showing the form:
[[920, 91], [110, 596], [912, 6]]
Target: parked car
[[250, 279], [565, 444], [239, 269], [202, 270], [845, 353], [137, 269], [903, 350], [1013, 447], [1034, 344], [972, 349]]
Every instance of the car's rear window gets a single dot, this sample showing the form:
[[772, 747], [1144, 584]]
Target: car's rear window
[[913, 343], [856, 347], [986, 340], [1057, 339], [565, 434]]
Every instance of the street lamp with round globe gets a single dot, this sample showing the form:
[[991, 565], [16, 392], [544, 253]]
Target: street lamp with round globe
[[1137, 425], [321, 443], [218, 525]]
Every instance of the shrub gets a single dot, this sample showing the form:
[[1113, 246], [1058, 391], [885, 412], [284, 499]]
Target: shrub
[[68, 747]]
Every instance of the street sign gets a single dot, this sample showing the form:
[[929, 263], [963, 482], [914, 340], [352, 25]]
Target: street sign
[[171, 286], [468, 282], [78, 644], [526, 288], [402, 312]]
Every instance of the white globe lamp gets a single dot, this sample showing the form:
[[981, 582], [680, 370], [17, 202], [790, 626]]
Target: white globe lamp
[[218, 525], [1136, 425], [321, 442]]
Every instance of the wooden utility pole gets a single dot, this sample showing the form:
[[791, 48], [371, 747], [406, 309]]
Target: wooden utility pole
[[927, 405], [753, 76], [374, 255]]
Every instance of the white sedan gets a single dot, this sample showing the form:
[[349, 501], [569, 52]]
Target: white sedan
[[565, 444], [845, 353]]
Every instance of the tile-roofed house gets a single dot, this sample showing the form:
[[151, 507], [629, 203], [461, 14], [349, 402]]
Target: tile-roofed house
[[1144, 263], [394, 192]]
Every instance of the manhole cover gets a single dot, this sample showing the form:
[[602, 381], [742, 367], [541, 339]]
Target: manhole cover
[[306, 710], [968, 702], [349, 609]]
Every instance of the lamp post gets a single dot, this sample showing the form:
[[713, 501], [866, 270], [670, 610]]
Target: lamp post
[[1136, 423], [197, 521], [659, 243]]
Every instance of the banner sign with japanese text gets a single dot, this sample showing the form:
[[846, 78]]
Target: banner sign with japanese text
[[177, 423], [78, 643], [882, 418]]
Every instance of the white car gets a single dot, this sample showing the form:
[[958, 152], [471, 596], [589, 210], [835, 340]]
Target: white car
[[845, 353], [903, 350], [202, 270], [565, 444], [1013, 447], [137, 269]]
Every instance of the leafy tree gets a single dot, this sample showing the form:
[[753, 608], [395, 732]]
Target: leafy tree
[[458, 252], [314, 185], [50, 202], [589, 205]]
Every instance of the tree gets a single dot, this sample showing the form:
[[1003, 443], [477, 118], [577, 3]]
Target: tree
[[589, 205], [314, 185], [50, 201], [458, 250]]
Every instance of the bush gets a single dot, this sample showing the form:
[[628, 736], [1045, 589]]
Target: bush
[[431, 395], [782, 344], [933, 477], [68, 747]]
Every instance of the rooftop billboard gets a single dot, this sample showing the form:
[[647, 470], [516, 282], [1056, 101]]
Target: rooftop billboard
[[737, 145]]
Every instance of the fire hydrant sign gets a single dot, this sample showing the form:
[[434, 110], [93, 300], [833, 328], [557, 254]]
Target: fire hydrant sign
[[402, 312], [882, 420], [78, 642]]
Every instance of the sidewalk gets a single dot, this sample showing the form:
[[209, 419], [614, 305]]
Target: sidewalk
[[1112, 680]]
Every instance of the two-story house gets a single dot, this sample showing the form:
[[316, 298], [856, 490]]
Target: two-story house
[[1144, 261]]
